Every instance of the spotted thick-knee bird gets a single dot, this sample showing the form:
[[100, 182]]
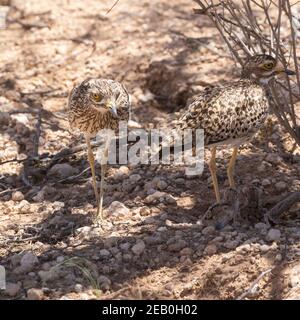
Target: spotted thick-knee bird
[[231, 114], [97, 104]]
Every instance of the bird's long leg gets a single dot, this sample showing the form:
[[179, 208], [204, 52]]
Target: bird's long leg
[[104, 158], [230, 168], [213, 171], [92, 165]]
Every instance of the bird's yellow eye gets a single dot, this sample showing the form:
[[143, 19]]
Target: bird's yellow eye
[[96, 97], [268, 65]]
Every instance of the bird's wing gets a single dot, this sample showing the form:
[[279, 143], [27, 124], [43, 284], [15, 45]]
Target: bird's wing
[[227, 112]]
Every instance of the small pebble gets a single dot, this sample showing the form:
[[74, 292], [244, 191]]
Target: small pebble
[[35, 294], [104, 253], [281, 186], [78, 287], [208, 230], [139, 247], [12, 289], [186, 251], [273, 235], [210, 249], [17, 196], [264, 248]]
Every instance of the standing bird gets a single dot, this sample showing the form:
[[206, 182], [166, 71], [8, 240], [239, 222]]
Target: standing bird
[[231, 114], [93, 105]]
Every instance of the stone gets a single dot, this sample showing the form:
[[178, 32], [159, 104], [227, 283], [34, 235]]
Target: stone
[[243, 248], [266, 182], [139, 247], [208, 230], [159, 196], [273, 158], [211, 249], [296, 158], [12, 289], [135, 178], [180, 181], [186, 251], [60, 259], [78, 287], [280, 186], [128, 186], [231, 244], [146, 97], [15, 259], [17, 196], [49, 275], [264, 248], [261, 168], [134, 125], [104, 253], [273, 235], [125, 246], [121, 172], [170, 199], [260, 226], [62, 171], [162, 185], [118, 209], [178, 245], [153, 240], [278, 257], [4, 118], [35, 294], [39, 197], [104, 282], [28, 261], [24, 207], [127, 256], [155, 197], [162, 229], [83, 230], [145, 211]]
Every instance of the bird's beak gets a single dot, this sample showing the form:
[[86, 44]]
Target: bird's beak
[[289, 72], [112, 108], [280, 69]]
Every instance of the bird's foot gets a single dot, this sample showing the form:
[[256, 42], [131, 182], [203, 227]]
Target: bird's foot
[[210, 213], [98, 216], [100, 222], [225, 211]]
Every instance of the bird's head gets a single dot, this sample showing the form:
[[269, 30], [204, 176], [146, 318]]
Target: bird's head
[[263, 67], [105, 95]]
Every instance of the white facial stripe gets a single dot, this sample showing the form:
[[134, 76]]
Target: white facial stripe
[[267, 73], [265, 80]]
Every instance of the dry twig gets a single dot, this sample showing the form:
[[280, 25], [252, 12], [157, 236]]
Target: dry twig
[[283, 206], [254, 284], [253, 26]]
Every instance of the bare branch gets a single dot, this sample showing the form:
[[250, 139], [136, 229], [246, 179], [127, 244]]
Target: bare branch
[[260, 26]]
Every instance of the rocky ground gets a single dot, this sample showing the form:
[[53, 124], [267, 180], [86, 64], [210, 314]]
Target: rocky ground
[[153, 243]]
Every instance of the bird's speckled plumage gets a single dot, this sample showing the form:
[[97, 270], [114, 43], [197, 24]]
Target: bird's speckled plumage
[[233, 113], [90, 117], [94, 105]]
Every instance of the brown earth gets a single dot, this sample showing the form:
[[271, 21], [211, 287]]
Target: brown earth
[[146, 248]]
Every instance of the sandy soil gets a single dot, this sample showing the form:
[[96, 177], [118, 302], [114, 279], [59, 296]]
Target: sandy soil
[[148, 247]]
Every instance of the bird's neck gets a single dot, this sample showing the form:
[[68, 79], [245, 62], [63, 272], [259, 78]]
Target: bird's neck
[[253, 78]]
